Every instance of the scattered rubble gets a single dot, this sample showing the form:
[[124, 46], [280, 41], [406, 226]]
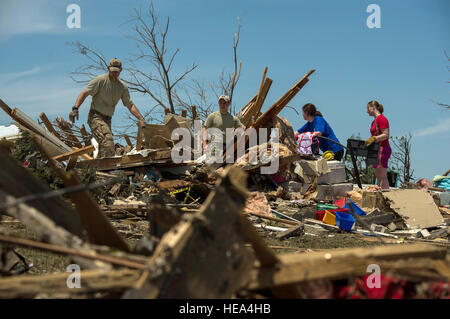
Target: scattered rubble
[[143, 226]]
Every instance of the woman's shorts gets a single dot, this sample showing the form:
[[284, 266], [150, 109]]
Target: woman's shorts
[[383, 157]]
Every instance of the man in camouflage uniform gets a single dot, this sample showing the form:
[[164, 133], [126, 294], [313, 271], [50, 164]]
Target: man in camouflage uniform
[[221, 119], [106, 91]]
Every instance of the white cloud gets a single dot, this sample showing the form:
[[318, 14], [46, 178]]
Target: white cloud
[[6, 78], [30, 17], [440, 127]]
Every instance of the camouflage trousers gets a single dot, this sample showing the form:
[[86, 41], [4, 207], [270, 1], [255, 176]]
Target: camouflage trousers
[[101, 130]]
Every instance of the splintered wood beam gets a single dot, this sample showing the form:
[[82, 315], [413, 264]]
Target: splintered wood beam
[[72, 162], [91, 280], [17, 181], [269, 114], [194, 112], [336, 263], [5, 107], [106, 163], [70, 137], [127, 139], [24, 120], [139, 139], [198, 257], [254, 108], [45, 229], [85, 135], [98, 227], [27, 243], [49, 126], [77, 152], [282, 102], [85, 156]]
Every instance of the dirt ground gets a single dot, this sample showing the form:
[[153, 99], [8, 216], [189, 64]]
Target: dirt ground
[[46, 262]]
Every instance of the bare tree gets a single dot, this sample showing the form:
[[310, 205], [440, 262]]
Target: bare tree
[[401, 157], [151, 72], [228, 81], [151, 38]]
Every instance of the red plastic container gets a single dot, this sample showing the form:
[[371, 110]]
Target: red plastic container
[[340, 202]]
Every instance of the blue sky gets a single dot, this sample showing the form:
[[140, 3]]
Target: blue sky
[[402, 64]]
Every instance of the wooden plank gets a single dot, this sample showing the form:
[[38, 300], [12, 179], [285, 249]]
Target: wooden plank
[[70, 136], [77, 152], [139, 139], [17, 181], [127, 139], [5, 107], [336, 263], [211, 260], [91, 280], [255, 107], [282, 102], [292, 231], [72, 162], [173, 184], [27, 122], [45, 229], [85, 156], [49, 126], [85, 135], [71, 251], [286, 221], [126, 159], [98, 228]]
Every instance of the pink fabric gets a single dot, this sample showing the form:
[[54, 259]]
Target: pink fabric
[[383, 157]]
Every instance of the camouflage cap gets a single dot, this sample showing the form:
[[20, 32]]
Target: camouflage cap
[[226, 98], [115, 65]]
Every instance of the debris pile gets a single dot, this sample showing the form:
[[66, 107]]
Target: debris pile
[[142, 225]]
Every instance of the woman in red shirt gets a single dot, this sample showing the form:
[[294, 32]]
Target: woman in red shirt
[[379, 131]]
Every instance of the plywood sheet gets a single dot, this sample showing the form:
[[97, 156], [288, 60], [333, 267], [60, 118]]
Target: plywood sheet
[[416, 207]]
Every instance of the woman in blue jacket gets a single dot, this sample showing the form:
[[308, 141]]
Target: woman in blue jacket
[[316, 123]]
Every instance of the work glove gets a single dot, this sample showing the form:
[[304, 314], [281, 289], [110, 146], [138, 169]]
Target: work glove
[[74, 114], [370, 140], [328, 155]]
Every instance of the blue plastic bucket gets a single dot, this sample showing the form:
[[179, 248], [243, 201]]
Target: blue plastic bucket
[[344, 221], [356, 208]]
